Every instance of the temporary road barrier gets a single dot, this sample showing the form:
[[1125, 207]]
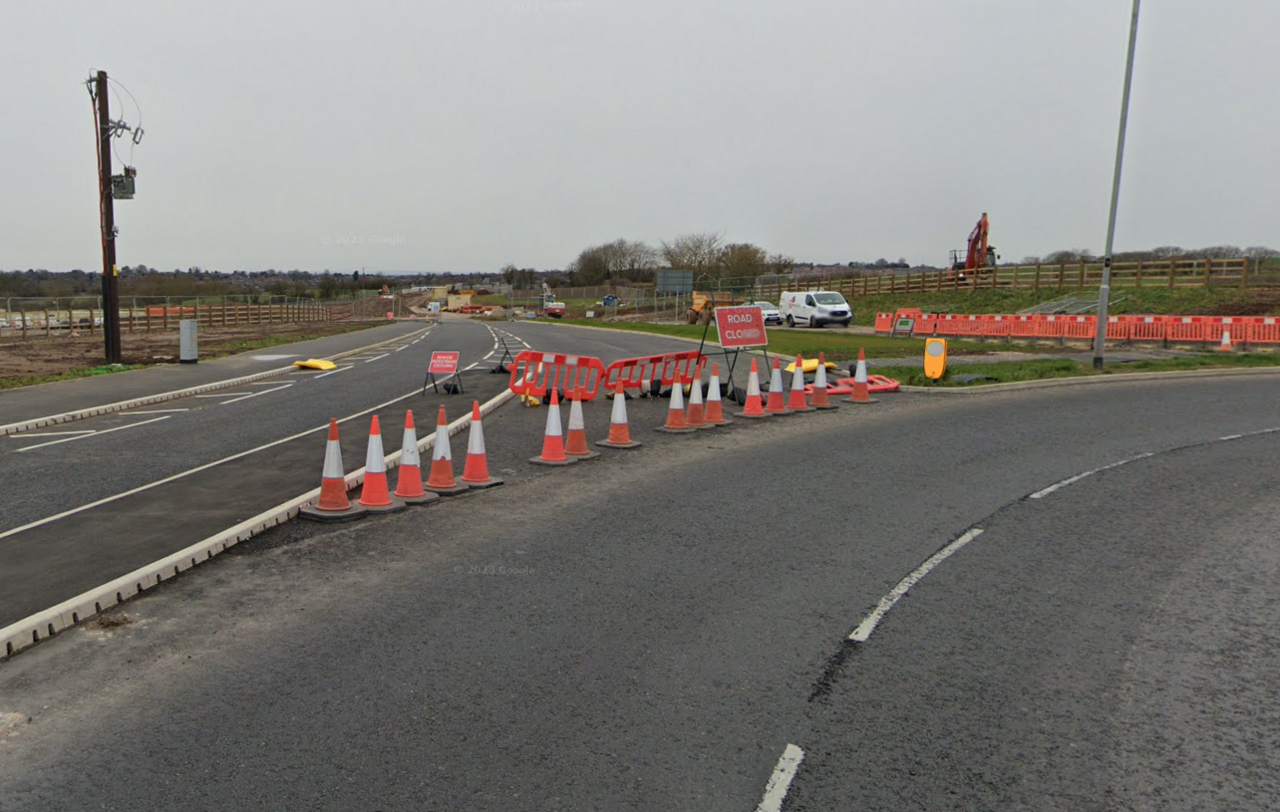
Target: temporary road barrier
[[535, 373], [476, 471], [861, 393], [715, 407], [818, 392], [676, 422], [776, 404], [665, 370], [619, 430], [754, 406], [553, 437], [441, 479], [697, 417], [796, 401], [576, 440], [374, 494], [409, 472], [333, 505]]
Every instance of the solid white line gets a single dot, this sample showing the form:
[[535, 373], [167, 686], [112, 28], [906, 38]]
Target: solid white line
[[405, 347], [95, 434], [255, 394], [868, 625], [775, 792], [51, 434], [265, 383], [156, 411], [333, 372], [205, 467], [377, 357], [1074, 479], [217, 394], [1231, 437]]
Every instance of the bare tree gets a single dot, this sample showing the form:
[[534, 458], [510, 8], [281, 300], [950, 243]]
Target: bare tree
[[693, 252], [742, 260]]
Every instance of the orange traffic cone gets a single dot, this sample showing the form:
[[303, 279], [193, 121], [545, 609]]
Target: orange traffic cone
[[797, 402], [820, 399], [754, 407], [373, 493], [1226, 345], [441, 480], [697, 418], [776, 405], [860, 392], [333, 505], [619, 431], [676, 422], [476, 472], [409, 474], [576, 440], [715, 407], [553, 438]]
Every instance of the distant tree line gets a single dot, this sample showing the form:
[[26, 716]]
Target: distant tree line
[[1162, 253]]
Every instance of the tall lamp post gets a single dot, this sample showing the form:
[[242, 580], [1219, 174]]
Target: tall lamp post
[[1104, 290]]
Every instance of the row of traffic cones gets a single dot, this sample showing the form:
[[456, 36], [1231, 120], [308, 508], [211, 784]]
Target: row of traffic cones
[[375, 495], [797, 401]]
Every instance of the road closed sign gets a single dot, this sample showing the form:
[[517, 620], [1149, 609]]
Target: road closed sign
[[443, 363], [741, 327]]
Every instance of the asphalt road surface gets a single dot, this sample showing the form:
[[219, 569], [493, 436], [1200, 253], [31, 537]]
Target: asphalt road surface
[[668, 628]]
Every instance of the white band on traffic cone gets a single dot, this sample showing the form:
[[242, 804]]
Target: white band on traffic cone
[[820, 377], [332, 461], [677, 396], [618, 416], [375, 461], [475, 441], [409, 449], [775, 380], [695, 393], [553, 421], [797, 379], [753, 384], [440, 445], [575, 416], [713, 388], [860, 376]]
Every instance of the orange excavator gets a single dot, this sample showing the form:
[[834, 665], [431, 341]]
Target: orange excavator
[[980, 255]]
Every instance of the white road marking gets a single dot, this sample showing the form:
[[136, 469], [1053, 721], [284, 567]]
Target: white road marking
[[264, 383], [1231, 437], [217, 394], [94, 434], [868, 625], [775, 792], [403, 347], [334, 371], [156, 411], [50, 434], [473, 366], [255, 394], [197, 469], [376, 357], [1074, 479]]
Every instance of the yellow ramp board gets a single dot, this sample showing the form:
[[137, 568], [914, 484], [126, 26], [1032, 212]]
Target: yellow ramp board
[[810, 365], [315, 363]]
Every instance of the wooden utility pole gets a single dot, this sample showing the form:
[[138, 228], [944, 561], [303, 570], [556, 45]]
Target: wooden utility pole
[[106, 206]]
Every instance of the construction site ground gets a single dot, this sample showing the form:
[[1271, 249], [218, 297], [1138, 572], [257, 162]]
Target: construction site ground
[[39, 356]]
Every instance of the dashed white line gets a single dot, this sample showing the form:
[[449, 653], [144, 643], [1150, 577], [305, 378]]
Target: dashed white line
[[255, 394], [94, 434], [1074, 479], [25, 435], [775, 792], [158, 411], [376, 358], [868, 625]]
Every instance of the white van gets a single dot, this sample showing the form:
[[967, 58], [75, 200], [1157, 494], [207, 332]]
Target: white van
[[815, 308]]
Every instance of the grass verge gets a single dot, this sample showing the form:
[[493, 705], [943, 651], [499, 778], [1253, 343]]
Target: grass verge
[[71, 374], [1041, 369]]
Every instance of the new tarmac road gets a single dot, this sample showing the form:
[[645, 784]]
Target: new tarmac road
[[1060, 599]]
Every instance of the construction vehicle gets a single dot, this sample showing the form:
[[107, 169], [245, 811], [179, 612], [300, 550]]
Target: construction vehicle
[[703, 308], [548, 304], [979, 256]]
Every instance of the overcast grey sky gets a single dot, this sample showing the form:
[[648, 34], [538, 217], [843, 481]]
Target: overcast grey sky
[[459, 135]]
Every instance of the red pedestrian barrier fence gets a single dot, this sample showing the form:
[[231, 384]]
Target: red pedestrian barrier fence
[[536, 373], [666, 369], [1264, 330]]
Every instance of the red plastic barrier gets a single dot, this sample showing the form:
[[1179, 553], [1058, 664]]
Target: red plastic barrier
[[666, 369], [1186, 328], [1117, 328], [946, 325], [1265, 330], [925, 325], [1236, 326], [1024, 326], [844, 386], [997, 326], [1147, 328], [536, 373], [1079, 326], [884, 323]]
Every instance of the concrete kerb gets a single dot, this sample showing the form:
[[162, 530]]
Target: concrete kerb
[[42, 625], [1123, 377], [94, 411]]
